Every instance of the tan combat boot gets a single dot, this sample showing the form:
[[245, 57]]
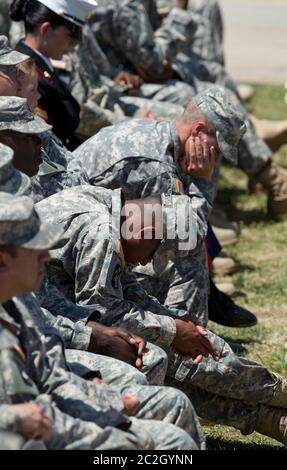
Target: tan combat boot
[[274, 133], [227, 288], [225, 236], [274, 180], [245, 91], [279, 398], [254, 187], [223, 265], [272, 422]]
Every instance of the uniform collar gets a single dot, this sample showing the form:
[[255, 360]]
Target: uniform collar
[[46, 60], [8, 321]]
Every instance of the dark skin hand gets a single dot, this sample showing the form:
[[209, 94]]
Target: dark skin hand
[[133, 82], [118, 343], [191, 342], [149, 76], [182, 4]]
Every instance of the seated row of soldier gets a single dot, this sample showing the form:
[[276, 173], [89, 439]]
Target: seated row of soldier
[[108, 348]]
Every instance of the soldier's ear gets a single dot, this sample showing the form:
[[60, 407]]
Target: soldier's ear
[[44, 28], [197, 127]]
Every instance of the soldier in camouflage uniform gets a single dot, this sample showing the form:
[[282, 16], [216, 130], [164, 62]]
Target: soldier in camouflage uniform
[[17, 385], [186, 46], [10, 74], [105, 99], [40, 356], [208, 41], [90, 268], [113, 22], [127, 29], [76, 334], [147, 157], [193, 296], [35, 143]]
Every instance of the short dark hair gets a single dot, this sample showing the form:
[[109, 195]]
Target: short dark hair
[[192, 113]]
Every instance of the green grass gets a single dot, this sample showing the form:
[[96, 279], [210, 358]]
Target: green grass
[[261, 277], [268, 102]]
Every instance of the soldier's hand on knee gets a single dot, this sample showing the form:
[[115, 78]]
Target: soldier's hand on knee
[[114, 346], [191, 341], [34, 423], [133, 82], [136, 346], [131, 402], [151, 76]]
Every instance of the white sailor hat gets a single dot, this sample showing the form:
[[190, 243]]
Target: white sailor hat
[[76, 11]]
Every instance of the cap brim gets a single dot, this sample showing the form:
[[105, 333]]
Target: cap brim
[[46, 238], [18, 184], [36, 126], [13, 58], [229, 152]]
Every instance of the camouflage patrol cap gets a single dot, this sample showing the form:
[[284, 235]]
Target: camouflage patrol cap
[[11, 180], [20, 225], [8, 57], [15, 115], [218, 107], [179, 230]]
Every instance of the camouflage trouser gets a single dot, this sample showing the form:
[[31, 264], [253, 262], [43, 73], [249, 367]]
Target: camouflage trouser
[[184, 284], [227, 392], [208, 41], [73, 433], [113, 109], [11, 440], [131, 105], [116, 372], [239, 414], [157, 403], [173, 91], [253, 153]]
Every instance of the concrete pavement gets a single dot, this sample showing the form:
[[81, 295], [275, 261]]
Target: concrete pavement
[[256, 40]]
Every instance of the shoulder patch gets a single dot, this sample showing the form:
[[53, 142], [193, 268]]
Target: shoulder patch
[[41, 113], [179, 186], [121, 253]]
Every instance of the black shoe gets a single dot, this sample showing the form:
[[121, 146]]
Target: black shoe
[[222, 310]]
